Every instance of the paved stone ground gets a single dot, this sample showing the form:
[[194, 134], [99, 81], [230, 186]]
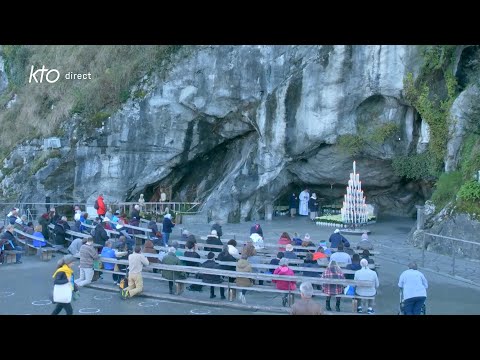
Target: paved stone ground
[[25, 287]]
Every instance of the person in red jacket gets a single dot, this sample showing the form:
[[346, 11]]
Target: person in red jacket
[[102, 209], [283, 269]]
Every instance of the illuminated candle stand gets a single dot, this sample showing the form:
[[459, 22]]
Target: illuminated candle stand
[[354, 211]]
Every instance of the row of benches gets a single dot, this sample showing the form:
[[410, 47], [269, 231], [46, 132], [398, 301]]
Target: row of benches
[[232, 287]]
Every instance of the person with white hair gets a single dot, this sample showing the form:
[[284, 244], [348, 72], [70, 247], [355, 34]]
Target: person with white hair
[[336, 238], [135, 216], [217, 226], [12, 216], [306, 306], [9, 242], [364, 243], [60, 231], [369, 275], [414, 286], [167, 227], [213, 239]]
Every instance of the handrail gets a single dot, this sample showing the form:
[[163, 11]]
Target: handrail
[[446, 237]]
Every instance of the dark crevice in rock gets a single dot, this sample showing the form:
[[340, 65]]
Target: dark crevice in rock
[[292, 102]]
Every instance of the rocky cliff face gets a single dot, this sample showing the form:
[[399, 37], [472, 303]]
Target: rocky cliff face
[[235, 126]]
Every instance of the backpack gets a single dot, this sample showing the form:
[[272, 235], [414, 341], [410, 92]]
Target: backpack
[[96, 206]]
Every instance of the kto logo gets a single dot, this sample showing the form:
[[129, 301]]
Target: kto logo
[[51, 75]]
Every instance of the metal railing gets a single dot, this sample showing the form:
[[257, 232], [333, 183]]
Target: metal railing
[[455, 245], [34, 210]]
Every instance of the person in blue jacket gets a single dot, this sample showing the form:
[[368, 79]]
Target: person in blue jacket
[[167, 227], [109, 252], [336, 238]]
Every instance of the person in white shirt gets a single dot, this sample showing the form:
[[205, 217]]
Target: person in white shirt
[[136, 261], [414, 286], [366, 274], [340, 256]]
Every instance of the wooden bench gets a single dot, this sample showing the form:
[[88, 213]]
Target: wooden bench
[[10, 256], [232, 287], [46, 252], [266, 259]]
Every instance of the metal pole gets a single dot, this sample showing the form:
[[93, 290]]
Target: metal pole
[[423, 249], [453, 257]]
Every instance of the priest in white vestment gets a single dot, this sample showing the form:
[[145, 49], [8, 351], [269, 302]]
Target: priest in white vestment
[[304, 197]]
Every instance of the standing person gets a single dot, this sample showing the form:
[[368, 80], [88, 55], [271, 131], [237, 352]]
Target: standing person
[[109, 252], [100, 206], [167, 227], [44, 220], [170, 275], [191, 251], [225, 256], [366, 274], [212, 278], [100, 234], [61, 227], [306, 306], [304, 197], [333, 271], [64, 285], [135, 216], [313, 206], [414, 287], [136, 261], [243, 266], [47, 203], [87, 255], [283, 269], [293, 205]]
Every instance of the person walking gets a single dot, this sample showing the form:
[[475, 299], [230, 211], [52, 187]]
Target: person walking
[[306, 306], [414, 287], [64, 285], [136, 261]]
